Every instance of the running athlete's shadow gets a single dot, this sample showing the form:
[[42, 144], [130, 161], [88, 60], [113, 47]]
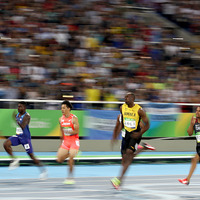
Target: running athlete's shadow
[[126, 194], [65, 186], [17, 182], [190, 197]]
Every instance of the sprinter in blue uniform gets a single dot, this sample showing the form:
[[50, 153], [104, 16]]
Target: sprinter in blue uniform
[[22, 137]]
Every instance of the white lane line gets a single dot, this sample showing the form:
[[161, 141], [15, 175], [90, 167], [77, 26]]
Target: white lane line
[[153, 193], [73, 190]]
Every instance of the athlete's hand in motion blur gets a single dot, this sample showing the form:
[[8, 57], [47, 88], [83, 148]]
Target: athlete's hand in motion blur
[[113, 141], [136, 135], [14, 115], [190, 130], [193, 120]]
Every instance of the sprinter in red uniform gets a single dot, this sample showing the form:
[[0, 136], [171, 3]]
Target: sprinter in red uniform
[[69, 139]]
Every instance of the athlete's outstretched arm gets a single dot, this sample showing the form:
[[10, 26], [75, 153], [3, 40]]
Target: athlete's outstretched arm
[[14, 115], [118, 126], [61, 131], [191, 127], [117, 129]]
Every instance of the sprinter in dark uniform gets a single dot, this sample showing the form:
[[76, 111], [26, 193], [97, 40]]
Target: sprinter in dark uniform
[[144, 146], [132, 115], [22, 137], [193, 128]]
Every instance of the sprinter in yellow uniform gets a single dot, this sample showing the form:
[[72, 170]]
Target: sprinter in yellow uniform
[[132, 115]]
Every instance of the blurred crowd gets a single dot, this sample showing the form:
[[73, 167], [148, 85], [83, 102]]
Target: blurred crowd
[[93, 50], [185, 13]]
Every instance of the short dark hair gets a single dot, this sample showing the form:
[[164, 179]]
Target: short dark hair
[[68, 104], [23, 103]]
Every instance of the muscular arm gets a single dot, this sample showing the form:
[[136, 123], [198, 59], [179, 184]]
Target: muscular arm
[[61, 130], [144, 124], [76, 126], [191, 127], [25, 121], [145, 121], [117, 129]]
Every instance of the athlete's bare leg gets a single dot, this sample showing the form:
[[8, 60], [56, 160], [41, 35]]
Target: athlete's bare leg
[[62, 154], [43, 171], [193, 166], [15, 162], [35, 160], [72, 154], [130, 157], [127, 160], [7, 146]]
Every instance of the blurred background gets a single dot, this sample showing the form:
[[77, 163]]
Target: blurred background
[[92, 52], [98, 50]]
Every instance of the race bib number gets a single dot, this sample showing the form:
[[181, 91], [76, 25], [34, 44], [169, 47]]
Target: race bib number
[[19, 130], [67, 131], [130, 123]]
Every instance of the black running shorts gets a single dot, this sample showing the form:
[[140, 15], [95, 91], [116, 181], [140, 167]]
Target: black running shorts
[[129, 142], [198, 149]]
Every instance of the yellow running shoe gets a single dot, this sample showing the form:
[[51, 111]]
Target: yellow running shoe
[[69, 182], [115, 182]]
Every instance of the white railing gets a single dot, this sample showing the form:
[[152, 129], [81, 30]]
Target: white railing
[[89, 102], [81, 105]]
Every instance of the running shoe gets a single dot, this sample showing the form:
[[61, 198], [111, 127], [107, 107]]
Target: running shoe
[[43, 175], [148, 146], [115, 182], [14, 164], [140, 147], [184, 181], [69, 182]]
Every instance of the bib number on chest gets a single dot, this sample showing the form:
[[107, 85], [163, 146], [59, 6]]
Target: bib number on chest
[[67, 131], [19, 130], [130, 123]]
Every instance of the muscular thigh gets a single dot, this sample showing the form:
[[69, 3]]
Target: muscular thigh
[[62, 154], [123, 146], [73, 153]]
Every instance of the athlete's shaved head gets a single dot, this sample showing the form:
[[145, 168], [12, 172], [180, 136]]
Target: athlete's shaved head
[[129, 99], [131, 94]]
